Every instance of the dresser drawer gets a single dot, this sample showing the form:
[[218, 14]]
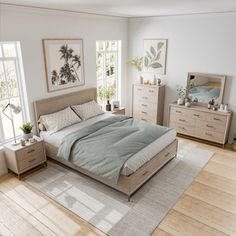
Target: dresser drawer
[[210, 135], [181, 119], [220, 119], [197, 115], [182, 128], [29, 151], [145, 106], [140, 115], [32, 160], [178, 111], [210, 126]]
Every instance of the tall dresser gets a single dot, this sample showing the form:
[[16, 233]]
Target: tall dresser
[[199, 122], [148, 103]]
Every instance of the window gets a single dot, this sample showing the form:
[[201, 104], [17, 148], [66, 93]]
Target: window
[[11, 90], [108, 68]]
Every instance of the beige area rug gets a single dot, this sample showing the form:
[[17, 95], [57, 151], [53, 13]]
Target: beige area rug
[[109, 210]]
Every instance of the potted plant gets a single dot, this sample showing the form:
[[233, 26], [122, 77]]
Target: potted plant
[[106, 93], [27, 131], [137, 63], [181, 90]]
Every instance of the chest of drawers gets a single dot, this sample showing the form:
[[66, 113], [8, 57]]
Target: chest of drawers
[[199, 122], [148, 103]]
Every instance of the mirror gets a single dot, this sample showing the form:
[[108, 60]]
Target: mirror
[[205, 87]]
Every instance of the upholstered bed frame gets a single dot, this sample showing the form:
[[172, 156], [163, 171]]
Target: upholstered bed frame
[[126, 184]]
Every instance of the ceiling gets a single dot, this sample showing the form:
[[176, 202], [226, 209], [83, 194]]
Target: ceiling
[[133, 8]]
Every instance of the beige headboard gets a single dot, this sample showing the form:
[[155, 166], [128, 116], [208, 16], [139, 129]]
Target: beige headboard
[[54, 104]]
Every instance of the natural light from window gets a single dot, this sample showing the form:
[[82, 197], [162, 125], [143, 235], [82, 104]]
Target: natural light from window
[[11, 89]]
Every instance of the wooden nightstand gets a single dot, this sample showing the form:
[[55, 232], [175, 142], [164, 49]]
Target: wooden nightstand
[[20, 159], [120, 111]]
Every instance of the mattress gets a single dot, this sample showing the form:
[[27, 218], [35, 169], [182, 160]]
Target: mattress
[[131, 165]]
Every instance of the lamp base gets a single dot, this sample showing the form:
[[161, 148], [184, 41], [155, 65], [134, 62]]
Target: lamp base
[[15, 143]]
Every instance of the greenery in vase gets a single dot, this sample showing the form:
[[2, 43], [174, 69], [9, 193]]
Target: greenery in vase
[[137, 63], [26, 128], [181, 90], [106, 93]]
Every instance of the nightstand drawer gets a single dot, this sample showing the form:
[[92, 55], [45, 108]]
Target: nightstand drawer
[[32, 160], [29, 151]]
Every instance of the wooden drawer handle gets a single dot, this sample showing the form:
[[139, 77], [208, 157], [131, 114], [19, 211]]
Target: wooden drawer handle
[[216, 118], [32, 160], [196, 115], [151, 91], [209, 126], [143, 119], [208, 134], [178, 111], [180, 127], [167, 154], [30, 151], [182, 120], [145, 97], [144, 112], [144, 105], [144, 173]]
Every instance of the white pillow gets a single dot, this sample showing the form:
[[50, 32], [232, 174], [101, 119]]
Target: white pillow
[[88, 110], [56, 121]]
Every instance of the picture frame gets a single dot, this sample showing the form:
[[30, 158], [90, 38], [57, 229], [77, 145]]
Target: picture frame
[[154, 56], [116, 105], [64, 63]]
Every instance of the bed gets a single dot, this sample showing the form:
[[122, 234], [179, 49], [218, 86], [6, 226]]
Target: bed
[[136, 170]]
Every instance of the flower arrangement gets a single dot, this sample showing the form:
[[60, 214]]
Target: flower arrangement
[[181, 90], [106, 93]]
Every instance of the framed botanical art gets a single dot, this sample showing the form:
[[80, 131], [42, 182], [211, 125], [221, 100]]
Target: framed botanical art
[[64, 63], [154, 56]]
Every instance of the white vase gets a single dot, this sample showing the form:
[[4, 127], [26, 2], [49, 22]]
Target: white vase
[[27, 136], [180, 101]]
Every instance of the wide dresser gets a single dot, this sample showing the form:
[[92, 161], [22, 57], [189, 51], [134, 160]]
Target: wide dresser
[[148, 103], [200, 122]]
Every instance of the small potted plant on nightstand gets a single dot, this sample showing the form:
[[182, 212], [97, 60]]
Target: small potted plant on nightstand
[[27, 131]]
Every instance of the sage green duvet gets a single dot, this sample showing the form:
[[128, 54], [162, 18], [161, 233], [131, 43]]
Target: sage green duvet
[[103, 147]]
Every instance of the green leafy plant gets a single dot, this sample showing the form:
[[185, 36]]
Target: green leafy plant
[[26, 128], [106, 93], [152, 57], [137, 63], [181, 90]]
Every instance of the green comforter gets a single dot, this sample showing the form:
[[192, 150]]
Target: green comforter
[[104, 147]]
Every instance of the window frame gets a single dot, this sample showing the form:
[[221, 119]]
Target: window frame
[[117, 63], [20, 85]]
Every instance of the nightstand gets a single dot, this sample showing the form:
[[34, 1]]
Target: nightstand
[[119, 111], [20, 159]]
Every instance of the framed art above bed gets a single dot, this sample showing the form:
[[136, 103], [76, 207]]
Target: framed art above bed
[[64, 63]]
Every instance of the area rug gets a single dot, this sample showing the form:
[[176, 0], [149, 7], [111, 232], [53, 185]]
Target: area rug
[[109, 210]]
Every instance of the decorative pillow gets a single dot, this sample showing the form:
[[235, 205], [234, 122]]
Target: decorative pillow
[[88, 110], [56, 121]]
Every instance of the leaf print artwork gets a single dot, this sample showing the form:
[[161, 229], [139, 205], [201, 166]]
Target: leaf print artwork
[[155, 56]]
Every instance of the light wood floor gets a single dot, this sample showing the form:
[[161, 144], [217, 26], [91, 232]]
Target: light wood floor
[[208, 206]]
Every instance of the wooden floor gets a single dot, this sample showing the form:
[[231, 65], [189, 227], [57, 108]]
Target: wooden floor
[[208, 206]]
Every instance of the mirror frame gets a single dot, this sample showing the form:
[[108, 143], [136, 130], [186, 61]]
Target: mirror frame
[[221, 77]]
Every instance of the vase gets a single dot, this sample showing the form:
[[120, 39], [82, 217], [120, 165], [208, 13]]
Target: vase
[[108, 106], [180, 101], [141, 79], [27, 136]]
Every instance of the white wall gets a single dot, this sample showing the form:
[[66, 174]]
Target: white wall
[[30, 26], [196, 43]]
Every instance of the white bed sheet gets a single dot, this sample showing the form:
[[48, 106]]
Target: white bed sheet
[[131, 165]]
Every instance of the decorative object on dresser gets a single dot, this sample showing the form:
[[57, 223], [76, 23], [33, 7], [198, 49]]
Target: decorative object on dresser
[[137, 63], [64, 63], [27, 131], [154, 54], [20, 159], [181, 90], [119, 111], [148, 103], [115, 105], [198, 121]]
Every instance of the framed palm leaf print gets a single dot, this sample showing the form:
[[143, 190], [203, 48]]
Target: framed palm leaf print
[[64, 63], [154, 55]]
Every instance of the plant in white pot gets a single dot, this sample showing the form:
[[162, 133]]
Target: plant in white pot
[[181, 90], [137, 63], [27, 131], [106, 93]]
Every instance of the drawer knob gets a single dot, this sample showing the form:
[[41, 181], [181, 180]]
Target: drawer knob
[[32, 160], [178, 111], [144, 173], [145, 97], [182, 120], [167, 154], [181, 127], [209, 126], [196, 115], [139, 89], [209, 134], [144, 105], [216, 119], [143, 119], [30, 151], [144, 112], [151, 91]]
